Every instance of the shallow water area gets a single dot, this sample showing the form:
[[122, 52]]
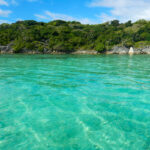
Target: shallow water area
[[74, 102]]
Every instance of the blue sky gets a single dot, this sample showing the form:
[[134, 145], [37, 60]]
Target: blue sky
[[85, 11]]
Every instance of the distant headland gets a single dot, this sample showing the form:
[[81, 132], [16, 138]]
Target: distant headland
[[59, 37]]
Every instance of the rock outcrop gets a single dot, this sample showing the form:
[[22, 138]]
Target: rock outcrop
[[124, 50], [92, 52], [118, 50], [115, 50], [6, 49]]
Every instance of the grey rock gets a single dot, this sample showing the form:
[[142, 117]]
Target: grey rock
[[119, 50], [6, 49], [124, 50], [146, 50], [92, 52]]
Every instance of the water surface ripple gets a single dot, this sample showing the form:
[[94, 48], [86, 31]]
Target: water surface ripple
[[74, 102]]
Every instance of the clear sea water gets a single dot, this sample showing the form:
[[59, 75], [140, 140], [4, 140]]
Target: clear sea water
[[74, 102]]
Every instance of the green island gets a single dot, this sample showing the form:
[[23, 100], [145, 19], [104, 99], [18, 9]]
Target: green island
[[67, 37]]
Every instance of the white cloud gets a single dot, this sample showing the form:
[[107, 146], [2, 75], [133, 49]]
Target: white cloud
[[41, 17], [4, 13], [14, 2], [4, 21], [3, 2], [57, 16], [87, 21], [104, 17], [8, 2], [19, 19], [125, 9]]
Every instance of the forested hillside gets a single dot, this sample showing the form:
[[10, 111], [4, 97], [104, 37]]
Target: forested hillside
[[65, 36]]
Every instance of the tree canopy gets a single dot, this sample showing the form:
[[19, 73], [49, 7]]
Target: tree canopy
[[63, 36]]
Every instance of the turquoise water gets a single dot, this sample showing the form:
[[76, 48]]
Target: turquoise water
[[74, 102]]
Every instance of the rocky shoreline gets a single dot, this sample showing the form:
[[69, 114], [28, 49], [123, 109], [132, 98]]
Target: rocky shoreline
[[115, 50], [131, 50]]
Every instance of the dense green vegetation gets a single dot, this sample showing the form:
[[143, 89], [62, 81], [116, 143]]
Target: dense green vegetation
[[65, 36]]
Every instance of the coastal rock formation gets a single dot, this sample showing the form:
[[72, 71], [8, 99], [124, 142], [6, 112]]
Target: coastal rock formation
[[124, 50], [93, 52], [144, 50], [118, 50], [6, 49]]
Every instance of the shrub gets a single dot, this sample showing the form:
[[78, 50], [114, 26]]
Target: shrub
[[100, 47]]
